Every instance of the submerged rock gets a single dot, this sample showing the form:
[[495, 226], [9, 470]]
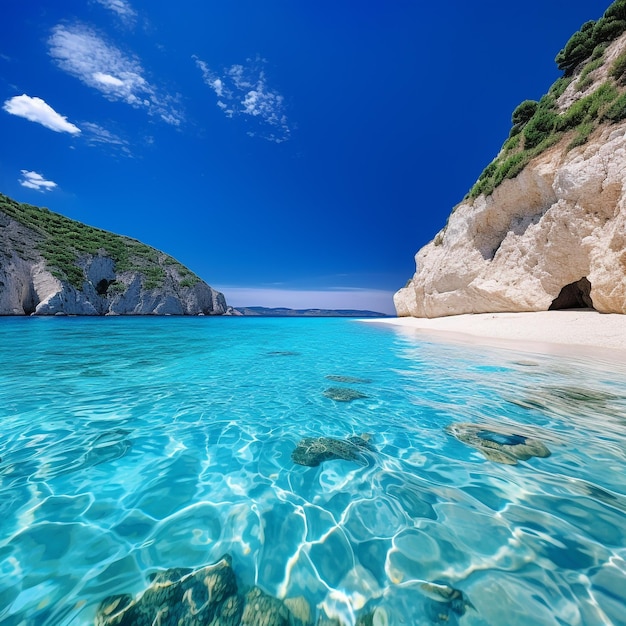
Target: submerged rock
[[300, 609], [261, 608], [377, 617], [209, 595], [454, 598], [349, 380], [283, 353], [566, 399], [497, 444], [179, 596], [343, 394], [311, 451]]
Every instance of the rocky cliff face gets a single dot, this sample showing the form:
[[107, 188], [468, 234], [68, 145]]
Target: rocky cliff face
[[554, 236], [38, 276]]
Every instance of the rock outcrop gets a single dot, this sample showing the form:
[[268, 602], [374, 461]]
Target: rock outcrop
[[554, 236], [42, 274]]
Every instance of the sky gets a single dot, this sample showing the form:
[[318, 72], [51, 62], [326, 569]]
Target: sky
[[289, 152]]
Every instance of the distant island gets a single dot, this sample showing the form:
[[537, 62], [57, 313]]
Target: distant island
[[285, 312]]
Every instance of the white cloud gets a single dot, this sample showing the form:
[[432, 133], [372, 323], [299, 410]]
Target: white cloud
[[107, 79], [37, 110], [243, 89], [342, 298], [218, 87], [79, 51], [122, 9], [96, 134], [34, 180]]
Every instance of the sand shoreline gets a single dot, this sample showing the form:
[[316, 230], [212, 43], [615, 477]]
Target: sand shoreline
[[575, 331]]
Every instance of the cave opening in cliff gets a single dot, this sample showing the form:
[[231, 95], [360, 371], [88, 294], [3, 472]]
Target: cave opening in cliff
[[576, 295], [102, 286]]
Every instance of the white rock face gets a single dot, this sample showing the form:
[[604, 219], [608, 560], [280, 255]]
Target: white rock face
[[16, 287], [562, 219]]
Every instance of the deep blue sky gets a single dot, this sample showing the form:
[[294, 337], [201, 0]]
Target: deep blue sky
[[291, 153]]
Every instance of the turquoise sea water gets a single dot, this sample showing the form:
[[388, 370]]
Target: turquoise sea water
[[132, 445]]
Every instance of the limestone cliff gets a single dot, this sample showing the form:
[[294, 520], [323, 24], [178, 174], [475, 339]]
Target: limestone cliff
[[52, 265], [545, 225]]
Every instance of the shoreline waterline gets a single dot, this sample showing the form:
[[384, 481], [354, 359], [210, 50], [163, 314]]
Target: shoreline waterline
[[569, 332]]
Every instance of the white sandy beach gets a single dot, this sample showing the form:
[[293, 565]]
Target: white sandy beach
[[571, 331]]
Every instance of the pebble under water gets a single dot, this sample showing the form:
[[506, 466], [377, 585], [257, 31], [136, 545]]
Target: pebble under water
[[329, 470]]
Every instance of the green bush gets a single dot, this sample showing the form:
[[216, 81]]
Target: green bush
[[598, 51], [559, 86], [579, 47], [524, 111], [587, 109], [584, 43], [584, 80], [485, 186], [618, 69], [584, 84], [154, 277], [539, 127], [116, 289], [515, 163], [617, 110], [189, 282], [511, 144], [617, 10], [489, 171], [608, 29], [582, 134]]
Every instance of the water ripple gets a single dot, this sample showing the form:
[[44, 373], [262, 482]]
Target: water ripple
[[165, 443]]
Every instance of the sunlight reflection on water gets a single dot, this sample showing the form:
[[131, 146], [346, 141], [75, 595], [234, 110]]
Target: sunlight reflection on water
[[131, 446]]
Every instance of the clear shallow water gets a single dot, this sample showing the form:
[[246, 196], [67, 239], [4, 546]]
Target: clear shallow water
[[130, 445]]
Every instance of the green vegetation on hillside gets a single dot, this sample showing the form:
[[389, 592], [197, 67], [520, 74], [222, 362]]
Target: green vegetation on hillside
[[592, 34], [539, 125], [64, 241]]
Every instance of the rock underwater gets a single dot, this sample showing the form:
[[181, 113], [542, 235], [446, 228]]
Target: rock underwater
[[350, 380], [209, 595], [498, 444], [457, 601], [311, 451], [343, 394]]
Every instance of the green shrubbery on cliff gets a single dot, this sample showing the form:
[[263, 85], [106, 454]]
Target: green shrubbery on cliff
[[592, 34], [540, 125], [63, 241]]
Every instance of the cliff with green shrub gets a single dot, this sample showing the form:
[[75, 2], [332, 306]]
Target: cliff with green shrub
[[545, 224], [50, 264]]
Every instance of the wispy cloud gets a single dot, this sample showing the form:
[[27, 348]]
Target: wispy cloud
[[79, 51], [122, 9], [96, 134], [341, 298], [34, 180], [244, 90], [37, 110]]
